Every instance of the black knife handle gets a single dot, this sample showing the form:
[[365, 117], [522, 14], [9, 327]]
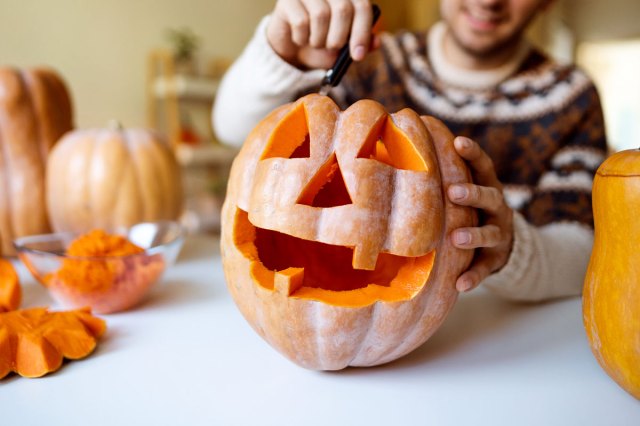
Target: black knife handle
[[335, 74]]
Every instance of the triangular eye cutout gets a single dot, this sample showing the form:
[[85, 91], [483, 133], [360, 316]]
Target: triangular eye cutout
[[326, 188], [290, 139], [388, 144]]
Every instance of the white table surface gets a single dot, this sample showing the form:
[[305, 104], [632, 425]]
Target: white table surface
[[187, 357]]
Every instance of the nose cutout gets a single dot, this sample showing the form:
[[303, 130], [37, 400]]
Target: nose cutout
[[327, 187]]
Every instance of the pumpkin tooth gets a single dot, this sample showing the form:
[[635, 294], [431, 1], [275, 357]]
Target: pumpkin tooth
[[288, 281], [364, 258]]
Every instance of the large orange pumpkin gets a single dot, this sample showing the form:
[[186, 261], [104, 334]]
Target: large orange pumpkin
[[35, 110], [611, 300], [335, 233], [105, 178]]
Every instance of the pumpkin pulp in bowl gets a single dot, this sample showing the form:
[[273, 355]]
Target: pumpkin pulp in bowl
[[107, 272]]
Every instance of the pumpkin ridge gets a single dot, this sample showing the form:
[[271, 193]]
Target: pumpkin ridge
[[373, 317], [5, 203], [94, 156], [390, 213], [8, 163], [61, 109], [135, 166], [28, 84]]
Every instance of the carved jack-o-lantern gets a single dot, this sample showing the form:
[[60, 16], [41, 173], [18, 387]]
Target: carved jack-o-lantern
[[335, 235]]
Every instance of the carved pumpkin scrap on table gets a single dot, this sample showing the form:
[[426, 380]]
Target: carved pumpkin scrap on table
[[335, 231], [33, 342]]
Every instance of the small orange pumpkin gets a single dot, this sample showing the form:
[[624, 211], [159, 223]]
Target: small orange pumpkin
[[611, 297], [35, 110], [335, 231], [105, 178]]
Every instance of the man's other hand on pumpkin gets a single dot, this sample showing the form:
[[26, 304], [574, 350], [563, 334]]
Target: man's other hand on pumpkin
[[494, 236]]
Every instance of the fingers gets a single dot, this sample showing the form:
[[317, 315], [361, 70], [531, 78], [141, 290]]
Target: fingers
[[340, 24], [319, 17], [493, 239], [487, 198], [482, 267], [298, 25], [299, 22], [481, 164], [361, 29], [483, 236]]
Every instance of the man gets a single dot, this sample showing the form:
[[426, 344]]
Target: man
[[530, 129]]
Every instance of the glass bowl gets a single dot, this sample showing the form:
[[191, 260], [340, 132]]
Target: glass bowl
[[106, 284]]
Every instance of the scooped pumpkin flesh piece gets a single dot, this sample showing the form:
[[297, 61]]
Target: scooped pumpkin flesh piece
[[33, 342]]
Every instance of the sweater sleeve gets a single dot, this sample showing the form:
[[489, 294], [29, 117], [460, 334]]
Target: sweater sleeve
[[546, 262], [553, 232], [255, 84]]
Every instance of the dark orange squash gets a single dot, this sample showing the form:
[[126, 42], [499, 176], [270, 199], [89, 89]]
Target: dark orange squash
[[611, 301]]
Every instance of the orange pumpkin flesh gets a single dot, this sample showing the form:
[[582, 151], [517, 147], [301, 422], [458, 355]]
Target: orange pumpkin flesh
[[298, 268], [10, 290], [335, 231], [34, 341]]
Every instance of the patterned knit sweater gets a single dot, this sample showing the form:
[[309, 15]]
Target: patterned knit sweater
[[539, 121], [542, 127]]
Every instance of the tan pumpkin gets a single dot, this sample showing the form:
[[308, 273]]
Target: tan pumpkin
[[335, 233], [104, 178], [35, 111], [611, 299]]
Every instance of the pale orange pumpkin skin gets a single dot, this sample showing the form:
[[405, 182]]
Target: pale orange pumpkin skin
[[35, 111], [325, 336], [611, 299], [105, 178]]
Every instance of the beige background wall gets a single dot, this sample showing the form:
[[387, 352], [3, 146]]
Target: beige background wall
[[101, 46]]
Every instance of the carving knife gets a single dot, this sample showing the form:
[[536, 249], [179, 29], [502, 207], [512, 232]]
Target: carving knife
[[334, 75]]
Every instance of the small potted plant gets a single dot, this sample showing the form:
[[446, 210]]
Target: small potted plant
[[184, 43]]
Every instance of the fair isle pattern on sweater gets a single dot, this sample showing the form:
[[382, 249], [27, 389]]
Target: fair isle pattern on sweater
[[543, 127]]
